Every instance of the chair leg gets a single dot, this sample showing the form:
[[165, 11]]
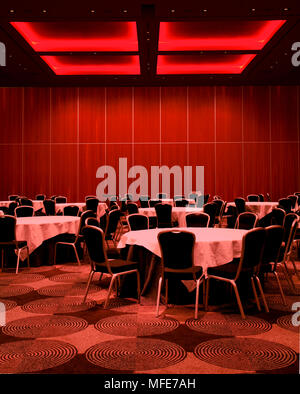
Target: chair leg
[[255, 294], [167, 292], [237, 295], [280, 288], [109, 290], [28, 262], [197, 298], [138, 286], [18, 261], [76, 254], [262, 294], [206, 295], [295, 268], [88, 285], [158, 296], [288, 278]]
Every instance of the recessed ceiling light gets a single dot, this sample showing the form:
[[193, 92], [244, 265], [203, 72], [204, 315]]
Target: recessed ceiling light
[[92, 11], [125, 11], [12, 11], [44, 11], [285, 9], [172, 11], [253, 9]]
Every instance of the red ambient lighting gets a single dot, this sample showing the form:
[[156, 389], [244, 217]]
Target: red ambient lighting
[[216, 35], [203, 64], [94, 65], [79, 36]]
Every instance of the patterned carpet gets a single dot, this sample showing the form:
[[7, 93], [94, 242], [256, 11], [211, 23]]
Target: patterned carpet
[[49, 331]]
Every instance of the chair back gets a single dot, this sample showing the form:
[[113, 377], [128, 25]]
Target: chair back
[[253, 197], [294, 200], [112, 221], [40, 197], [211, 209], [12, 197], [11, 208], [137, 222], [286, 204], [60, 199], [199, 219], [252, 250], [5, 210], [144, 201], [49, 206], [273, 242], [246, 221], [161, 195], [92, 221], [24, 211], [94, 240], [268, 197], [181, 203], [219, 204], [132, 208], [152, 203], [240, 204], [113, 207], [216, 197], [71, 210], [83, 217], [92, 204], [278, 215], [87, 197], [177, 249], [290, 225], [261, 197], [206, 198], [54, 197], [26, 201], [164, 215], [7, 228]]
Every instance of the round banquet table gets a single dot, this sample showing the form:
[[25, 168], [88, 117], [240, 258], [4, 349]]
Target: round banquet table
[[101, 209], [178, 213], [260, 208], [172, 202], [213, 246], [35, 230]]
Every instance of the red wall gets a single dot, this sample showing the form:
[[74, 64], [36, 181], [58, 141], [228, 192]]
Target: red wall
[[53, 140]]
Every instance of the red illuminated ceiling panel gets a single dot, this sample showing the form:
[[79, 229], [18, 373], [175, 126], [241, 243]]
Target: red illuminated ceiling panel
[[203, 64], [94, 65], [216, 35], [79, 36]]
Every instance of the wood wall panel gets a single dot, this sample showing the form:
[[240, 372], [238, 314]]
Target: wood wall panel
[[54, 138], [174, 114], [92, 115], [119, 114], [201, 114], [64, 115], [36, 170], [229, 114], [147, 114], [37, 115], [11, 112], [64, 171]]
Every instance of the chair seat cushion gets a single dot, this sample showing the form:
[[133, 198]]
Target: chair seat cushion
[[117, 265], [18, 244]]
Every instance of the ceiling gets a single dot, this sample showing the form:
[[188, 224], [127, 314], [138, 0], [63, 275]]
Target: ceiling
[[149, 43]]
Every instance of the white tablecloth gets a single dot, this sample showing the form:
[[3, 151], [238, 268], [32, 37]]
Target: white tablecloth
[[178, 213], [172, 202], [260, 208], [35, 230], [214, 246]]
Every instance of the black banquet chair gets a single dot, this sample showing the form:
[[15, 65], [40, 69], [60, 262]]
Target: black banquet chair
[[24, 211], [132, 207], [240, 204], [13, 197], [278, 215], [26, 201], [211, 209], [40, 197], [164, 215], [71, 210], [144, 201], [294, 200], [61, 199], [92, 204], [286, 204], [8, 239], [246, 221], [253, 197], [199, 219], [177, 251], [137, 221], [72, 240], [273, 243], [94, 239], [153, 202], [181, 203], [249, 262], [49, 206]]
